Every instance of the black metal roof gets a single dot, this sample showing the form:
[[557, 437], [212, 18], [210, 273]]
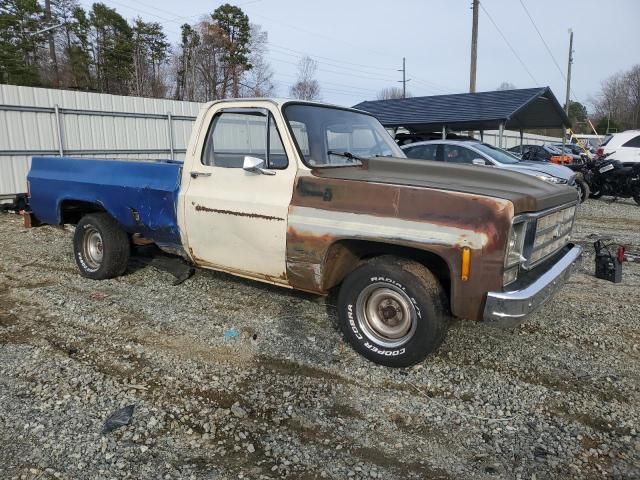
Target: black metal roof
[[520, 108]]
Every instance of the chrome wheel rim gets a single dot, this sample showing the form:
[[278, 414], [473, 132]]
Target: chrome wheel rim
[[92, 248], [386, 314]]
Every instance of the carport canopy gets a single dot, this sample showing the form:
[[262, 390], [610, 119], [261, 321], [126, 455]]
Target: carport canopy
[[519, 109]]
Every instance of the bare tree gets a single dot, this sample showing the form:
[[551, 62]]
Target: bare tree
[[258, 82], [619, 99], [506, 86], [392, 93], [306, 87]]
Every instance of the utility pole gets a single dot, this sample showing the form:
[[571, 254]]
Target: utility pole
[[566, 105], [404, 78], [474, 47]]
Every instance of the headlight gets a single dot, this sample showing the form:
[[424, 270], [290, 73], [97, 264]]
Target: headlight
[[515, 245], [550, 178]]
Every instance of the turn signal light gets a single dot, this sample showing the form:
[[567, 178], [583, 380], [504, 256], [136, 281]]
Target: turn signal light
[[466, 264]]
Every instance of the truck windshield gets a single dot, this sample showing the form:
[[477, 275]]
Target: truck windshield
[[332, 137]]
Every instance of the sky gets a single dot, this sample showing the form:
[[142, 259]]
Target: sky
[[359, 44]]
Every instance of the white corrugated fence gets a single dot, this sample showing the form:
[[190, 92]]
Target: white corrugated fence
[[41, 121]]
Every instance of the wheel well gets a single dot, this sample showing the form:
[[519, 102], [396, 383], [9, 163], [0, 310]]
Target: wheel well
[[344, 256], [71, 211]]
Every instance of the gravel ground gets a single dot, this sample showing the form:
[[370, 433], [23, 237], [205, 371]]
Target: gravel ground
[[285, 397]]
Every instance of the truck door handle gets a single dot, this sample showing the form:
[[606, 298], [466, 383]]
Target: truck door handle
[[200, 174]]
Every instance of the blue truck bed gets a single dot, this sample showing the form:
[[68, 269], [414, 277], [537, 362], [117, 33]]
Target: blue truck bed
[[141, 195]]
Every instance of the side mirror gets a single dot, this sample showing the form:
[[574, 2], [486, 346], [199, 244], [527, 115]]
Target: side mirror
[[255, 165], [479, 161]]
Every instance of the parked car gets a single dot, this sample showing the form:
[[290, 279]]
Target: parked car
[[536, 153], [574, 149], [478, 153], [545, 153], [320, 199], [623, 146]]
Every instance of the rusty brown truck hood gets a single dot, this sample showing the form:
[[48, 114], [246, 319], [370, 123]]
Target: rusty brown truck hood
[[525, 192]]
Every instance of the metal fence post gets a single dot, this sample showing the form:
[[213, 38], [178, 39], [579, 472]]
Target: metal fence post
[[56, 111], [170, 134]]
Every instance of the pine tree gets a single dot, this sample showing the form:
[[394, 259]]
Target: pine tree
[[19, 20], [234, 23], [112, 49]]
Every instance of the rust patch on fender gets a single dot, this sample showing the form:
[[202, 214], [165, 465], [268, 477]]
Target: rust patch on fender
[[200, 208], [308, 252]]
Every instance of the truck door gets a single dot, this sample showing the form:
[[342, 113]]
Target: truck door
[[235, 219]]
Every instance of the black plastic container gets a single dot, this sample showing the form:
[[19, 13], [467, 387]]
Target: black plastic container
[[608, 266]]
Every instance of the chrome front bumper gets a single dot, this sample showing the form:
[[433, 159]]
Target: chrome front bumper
[[510, 307]]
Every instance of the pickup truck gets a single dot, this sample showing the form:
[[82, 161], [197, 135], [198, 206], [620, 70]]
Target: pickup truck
[[319, 198]]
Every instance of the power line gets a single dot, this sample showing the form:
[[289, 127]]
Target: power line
[[282, 50], [355, 89], [323, 89], [322, 35], [549, 50], [508, 44], [323, 62], [543, 40], [431, 85], [272, 45], [371, 67], [337, 72]]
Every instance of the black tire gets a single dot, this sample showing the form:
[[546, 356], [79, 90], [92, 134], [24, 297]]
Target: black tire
[[416, 292], [583, 189], [636, 197], [101, 248]]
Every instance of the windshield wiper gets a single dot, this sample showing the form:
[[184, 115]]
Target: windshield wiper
[[348, 155]]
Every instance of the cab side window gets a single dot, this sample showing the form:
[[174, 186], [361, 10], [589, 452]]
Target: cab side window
[[234, 135]]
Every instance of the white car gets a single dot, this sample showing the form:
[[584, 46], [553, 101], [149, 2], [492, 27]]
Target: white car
[[623, 146]]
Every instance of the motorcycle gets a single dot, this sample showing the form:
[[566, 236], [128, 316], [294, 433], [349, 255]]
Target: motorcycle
[[606, 176]]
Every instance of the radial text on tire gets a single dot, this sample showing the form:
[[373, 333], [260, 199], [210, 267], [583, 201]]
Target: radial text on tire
[[393, 311]]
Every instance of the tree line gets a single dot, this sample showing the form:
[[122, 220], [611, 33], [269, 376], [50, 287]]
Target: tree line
[[59, 44], [617, 105]]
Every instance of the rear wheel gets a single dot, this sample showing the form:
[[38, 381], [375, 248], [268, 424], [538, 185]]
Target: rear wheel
[[393, 311], [101, 247]]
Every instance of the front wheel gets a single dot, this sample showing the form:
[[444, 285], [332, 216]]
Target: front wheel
[[101, 248], [393, 311], [583, 189]]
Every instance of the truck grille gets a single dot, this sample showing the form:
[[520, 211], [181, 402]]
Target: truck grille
[[552, 233]]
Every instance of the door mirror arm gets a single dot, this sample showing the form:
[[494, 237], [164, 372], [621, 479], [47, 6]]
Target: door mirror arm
[[256, 165]]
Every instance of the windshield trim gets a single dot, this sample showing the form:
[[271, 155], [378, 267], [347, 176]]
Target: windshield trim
[[320, 105]]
